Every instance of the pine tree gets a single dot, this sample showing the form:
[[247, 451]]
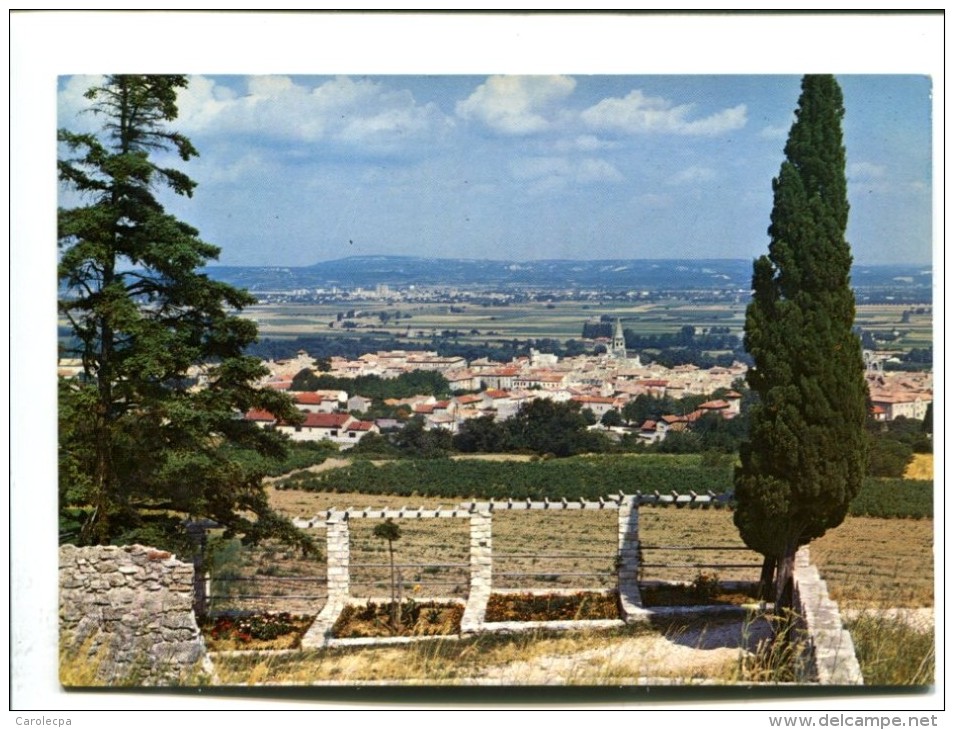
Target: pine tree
[[805, 456], [150, 432]]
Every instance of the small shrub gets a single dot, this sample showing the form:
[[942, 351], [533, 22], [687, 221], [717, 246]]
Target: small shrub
[[705, 586], [256, 631]]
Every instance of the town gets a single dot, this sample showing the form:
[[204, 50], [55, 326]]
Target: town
[[602, 384]]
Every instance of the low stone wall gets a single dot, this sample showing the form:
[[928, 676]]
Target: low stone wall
[[126, 617], [833, 650]]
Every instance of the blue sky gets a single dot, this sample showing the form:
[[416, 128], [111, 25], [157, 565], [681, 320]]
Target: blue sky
[[299, 169]]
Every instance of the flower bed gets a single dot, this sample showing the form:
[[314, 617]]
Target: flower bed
[[373, 620], [582, 606], [256, 632]]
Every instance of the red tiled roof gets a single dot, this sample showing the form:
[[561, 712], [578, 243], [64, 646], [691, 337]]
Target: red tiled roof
[[279, 385], [455, 375], [308, 399], [257, 414], [325, 420]]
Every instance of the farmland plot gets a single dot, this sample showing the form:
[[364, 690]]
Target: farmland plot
[[867, 561]]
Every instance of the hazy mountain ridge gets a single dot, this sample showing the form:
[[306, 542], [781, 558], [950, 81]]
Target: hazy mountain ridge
[[557, 274]]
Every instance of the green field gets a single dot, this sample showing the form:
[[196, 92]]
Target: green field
[[562, 320]]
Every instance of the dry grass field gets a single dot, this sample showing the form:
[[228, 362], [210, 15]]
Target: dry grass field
[[867, 562]]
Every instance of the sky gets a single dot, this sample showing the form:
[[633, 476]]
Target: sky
[[297, 169]]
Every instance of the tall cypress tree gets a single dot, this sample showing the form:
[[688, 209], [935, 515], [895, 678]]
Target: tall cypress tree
[[805, 456], [141, 443]]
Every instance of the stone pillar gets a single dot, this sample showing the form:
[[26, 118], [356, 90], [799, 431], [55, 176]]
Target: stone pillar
[[338, 547], [628, 559], [339, 559], [481, 571]]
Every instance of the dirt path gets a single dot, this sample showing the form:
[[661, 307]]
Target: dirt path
[[698, 653], [694, 654]]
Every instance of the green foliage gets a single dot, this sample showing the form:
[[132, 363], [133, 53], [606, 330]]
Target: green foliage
[[590, 477], [136, 438], [416, 382], [299, 455], [680, 442], [387, 530], [894, 498], [375, 445], [543, 426], [912, 432], [482, 435], [892, 445], [805, 457], [418, 442], [888, 457]]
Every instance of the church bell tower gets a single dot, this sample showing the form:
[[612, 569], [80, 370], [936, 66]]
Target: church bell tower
[[618, 347]]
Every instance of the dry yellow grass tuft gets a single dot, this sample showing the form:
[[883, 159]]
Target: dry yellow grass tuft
[[921, 467]]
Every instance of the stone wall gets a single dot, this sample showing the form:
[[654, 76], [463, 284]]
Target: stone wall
[[833, 651], [126, 618]]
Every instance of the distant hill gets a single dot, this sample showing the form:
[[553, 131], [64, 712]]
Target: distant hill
[[557, 274]]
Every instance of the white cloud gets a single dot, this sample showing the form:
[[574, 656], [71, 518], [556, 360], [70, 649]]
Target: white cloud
[[770, 132], [693, 174], [552, 173], [654, 200], [596, 170], [528, 168], [72, 105], [865, 171], [516, 104], [250, 165], [583, 143], [340, 109], [867, 177], [637, 113]]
